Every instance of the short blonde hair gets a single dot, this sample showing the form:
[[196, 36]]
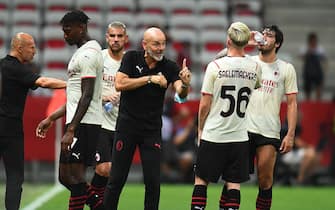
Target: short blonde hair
[[239, 33]]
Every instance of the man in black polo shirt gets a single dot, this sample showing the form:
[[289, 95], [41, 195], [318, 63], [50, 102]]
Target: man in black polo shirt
[[143, 79], [17, 79]]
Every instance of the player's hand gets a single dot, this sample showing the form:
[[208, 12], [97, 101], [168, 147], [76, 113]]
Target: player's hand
[[252, 41], [67, 141], [185, 74], [160, 80], [114, 98], [43, 127], [199, 137], [287, 144]]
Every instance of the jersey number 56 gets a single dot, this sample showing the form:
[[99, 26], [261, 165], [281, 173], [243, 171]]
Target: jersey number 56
[[242, 95]]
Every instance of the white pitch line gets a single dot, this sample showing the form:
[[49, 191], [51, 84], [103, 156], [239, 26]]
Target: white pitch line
[[44, 198]]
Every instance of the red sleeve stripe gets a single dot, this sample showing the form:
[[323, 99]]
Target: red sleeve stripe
[[217, 64], [88, 77], [291, 93], [203, 93]]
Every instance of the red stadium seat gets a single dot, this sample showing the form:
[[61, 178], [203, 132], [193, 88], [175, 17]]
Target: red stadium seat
[[90, 6], [212, 7], [121, 6], [27, 5], [153, 6], [181, 7]]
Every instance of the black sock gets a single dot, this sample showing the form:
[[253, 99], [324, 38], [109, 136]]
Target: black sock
[[199, 197], [98, 185], [78, 196], [224, 197], [264, 199], [95, 192], [232, 201]]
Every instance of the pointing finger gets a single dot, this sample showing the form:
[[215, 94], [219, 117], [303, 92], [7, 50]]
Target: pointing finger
[[184, 63]]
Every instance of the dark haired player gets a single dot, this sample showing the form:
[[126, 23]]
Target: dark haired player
[[83, 112], [278, 79]]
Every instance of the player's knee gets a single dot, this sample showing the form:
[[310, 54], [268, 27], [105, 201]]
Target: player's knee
[[310, 153], [64, 181], [265, 180], [103, 169]]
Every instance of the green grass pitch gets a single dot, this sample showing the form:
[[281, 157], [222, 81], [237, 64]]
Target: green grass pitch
[[177, 197]]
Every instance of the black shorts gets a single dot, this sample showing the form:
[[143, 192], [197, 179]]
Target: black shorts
[[257, 140], [84, 145], [228, 160], [105, 146]]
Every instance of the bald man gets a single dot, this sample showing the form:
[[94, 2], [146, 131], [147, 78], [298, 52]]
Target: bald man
[[17, 79], [143, 78]]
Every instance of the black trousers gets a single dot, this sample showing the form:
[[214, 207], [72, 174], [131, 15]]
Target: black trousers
[[12, 153], [122, 156]]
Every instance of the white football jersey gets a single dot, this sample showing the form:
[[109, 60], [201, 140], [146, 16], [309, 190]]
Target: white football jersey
[[278, 79], [111, 66], [230, 81], [86, 62]]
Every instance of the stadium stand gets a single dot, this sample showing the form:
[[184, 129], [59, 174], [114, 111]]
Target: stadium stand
[[91, 6], [25, 17], [213, 22], [121, 6], [59, 5], [182, 7], [183, 21], [144, 20], [212, 7], [153, 6]]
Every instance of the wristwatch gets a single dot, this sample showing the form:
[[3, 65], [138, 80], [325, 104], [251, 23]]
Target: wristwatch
[[149, 79]]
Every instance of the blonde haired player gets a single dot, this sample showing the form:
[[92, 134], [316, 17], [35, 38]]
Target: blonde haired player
[[223, 138]]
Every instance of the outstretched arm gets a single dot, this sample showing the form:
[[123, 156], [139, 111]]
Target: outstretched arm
[[48, 82]]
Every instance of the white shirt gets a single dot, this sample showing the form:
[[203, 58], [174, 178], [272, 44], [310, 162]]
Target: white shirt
[[278, 79], [230, 81], [86, 62], [111, 66]]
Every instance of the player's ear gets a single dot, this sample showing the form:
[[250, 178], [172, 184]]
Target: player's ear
[[126, 38], [144, 44], [106, 37]]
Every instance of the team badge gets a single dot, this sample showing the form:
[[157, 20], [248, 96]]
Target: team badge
[[119, 145]]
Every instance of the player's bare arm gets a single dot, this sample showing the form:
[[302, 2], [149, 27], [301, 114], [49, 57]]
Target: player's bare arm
[[204, 108], [124, 82], [47, 82], [44, 125], [292, 114], [87, 89]]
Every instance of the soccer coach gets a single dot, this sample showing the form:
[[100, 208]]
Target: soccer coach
[[143, 78], [17, 79]]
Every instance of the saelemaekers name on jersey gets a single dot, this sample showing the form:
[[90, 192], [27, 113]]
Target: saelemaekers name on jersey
[[237, 73]]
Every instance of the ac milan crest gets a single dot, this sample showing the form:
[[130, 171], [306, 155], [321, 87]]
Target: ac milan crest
[[119, 145]]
